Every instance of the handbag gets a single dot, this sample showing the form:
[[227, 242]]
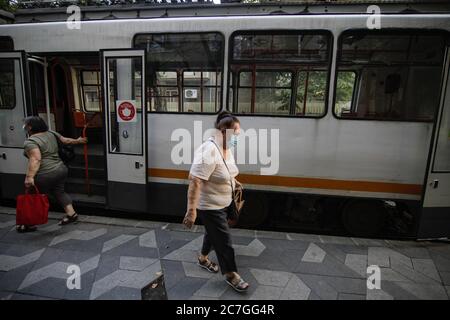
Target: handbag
[[66, 152], [237, 203], [32, 209]]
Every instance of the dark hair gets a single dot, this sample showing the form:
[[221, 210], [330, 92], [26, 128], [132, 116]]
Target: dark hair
[[36, 123], [225, 120]]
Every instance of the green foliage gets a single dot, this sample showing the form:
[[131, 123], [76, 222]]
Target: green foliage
[[317, 88], [345, 82], [8, 5]]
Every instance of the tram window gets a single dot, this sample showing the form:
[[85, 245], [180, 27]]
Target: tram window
[[272, 92], [164, 94], [442, 154], [311, 93], [399, 75], [279, 73], [6, 44], [125, 83], [345, 86], [37, 90], [201, 92], [295, 47], [7, 89], [90, 89], [184, 71]]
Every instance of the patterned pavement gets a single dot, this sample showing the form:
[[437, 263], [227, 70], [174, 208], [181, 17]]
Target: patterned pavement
[[118, 258]]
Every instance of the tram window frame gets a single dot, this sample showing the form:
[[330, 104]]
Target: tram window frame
[[220, 86], [388, 32], [82, 92], [13, 85], [301, 66]]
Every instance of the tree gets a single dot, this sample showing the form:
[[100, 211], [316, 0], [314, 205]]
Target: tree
[[8, 5]]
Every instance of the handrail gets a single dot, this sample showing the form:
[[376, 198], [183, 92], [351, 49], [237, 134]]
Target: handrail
[[86, 162], [85, 153]]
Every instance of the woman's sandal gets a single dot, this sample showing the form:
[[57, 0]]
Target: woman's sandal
[[68, 219], [24, 228], [209, 265], [238, 285]]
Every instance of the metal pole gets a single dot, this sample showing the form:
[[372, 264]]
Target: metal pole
[[47, 98]]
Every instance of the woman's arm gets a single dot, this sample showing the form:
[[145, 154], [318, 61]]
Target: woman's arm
[[193, 197], [34, 162], [80, 140]]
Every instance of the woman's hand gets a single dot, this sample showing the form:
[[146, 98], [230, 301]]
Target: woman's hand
[[238, 185], [189, 218], [82, 140], [29, 182]]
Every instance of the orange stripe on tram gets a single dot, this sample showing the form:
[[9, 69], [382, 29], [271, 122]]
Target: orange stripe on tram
[[297, 182]]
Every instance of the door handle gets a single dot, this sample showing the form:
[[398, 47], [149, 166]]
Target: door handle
[[138, 165], [4, 155], [434, 184]]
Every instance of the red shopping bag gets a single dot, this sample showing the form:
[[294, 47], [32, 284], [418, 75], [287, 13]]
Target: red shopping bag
[[32, 209]]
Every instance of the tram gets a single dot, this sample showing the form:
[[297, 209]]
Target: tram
[[356, 119]]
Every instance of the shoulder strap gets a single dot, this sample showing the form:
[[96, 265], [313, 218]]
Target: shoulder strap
[[58, 142], [223, 159]]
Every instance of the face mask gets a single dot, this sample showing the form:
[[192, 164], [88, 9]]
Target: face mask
[[233, 141]]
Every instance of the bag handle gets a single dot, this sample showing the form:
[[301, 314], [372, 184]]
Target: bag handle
[[27, 190]]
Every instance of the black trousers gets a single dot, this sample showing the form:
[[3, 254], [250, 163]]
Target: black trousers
[[217, 236], [52, 183]]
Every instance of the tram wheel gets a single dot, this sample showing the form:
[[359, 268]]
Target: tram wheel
[[364, 218], [255, 211]]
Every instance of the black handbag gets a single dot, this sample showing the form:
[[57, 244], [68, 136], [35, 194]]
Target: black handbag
[[65, 152]]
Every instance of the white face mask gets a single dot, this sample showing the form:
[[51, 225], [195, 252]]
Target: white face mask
[[232, 141]]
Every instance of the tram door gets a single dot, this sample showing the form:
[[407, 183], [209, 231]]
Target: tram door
[[13, 109], [125, 128], [435, 218]]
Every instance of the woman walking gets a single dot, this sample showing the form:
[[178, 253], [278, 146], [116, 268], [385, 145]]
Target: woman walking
[[210, 195], [45, 169]]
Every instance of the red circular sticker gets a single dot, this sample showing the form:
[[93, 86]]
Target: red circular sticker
[[126, 111]]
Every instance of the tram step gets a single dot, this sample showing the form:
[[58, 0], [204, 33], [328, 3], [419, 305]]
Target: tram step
[[76, 185], [93, 200], [93, 149], [79, 172], [94, 161]]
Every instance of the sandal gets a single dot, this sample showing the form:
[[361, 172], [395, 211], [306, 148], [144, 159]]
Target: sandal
[[25, 228], [239, 286], [208, 265], [68, 219]]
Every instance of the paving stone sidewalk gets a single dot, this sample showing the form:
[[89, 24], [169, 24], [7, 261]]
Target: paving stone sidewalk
[[119, 257]]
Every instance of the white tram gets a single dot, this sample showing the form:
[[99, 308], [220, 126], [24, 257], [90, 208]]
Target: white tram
[[362, 115]]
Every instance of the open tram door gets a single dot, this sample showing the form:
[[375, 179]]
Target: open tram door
[[123, 73], [435, 217], [14, 107]]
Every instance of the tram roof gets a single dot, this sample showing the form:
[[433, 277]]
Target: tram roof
[[152, 9]]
